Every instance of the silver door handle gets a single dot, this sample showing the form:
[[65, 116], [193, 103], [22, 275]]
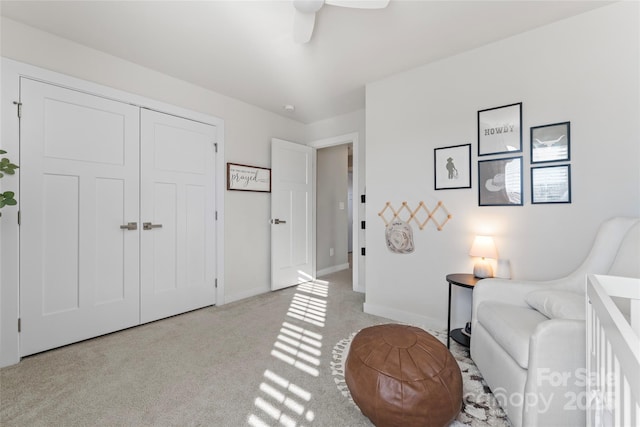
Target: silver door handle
[[129, 226], [149, 226], [279, 221]]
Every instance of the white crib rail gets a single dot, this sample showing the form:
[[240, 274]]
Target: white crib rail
[[613, 352]]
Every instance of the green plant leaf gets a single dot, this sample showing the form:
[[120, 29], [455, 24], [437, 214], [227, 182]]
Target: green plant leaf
[[7, 168]]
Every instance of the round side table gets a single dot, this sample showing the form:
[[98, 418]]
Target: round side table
[[466, 281]]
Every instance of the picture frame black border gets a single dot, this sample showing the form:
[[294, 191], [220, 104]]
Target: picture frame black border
[[435, 175], [521, 182], [519, 150], [229, 188], [533, 168], [531, 131]]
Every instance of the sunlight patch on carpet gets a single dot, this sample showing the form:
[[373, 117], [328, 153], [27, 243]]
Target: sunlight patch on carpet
[[298, 346]]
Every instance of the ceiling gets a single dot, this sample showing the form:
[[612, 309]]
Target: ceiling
[[243, 49]]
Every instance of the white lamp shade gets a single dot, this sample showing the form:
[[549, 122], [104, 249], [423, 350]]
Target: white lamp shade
[[484, 246]]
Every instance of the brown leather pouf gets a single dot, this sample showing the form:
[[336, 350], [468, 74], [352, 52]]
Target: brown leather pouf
[[402, 376]]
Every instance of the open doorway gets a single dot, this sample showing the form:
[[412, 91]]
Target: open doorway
[[358, 208], [332, 209], [350, 204]]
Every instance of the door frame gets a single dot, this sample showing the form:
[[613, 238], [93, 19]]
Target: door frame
[[358, 208], [11, 73]]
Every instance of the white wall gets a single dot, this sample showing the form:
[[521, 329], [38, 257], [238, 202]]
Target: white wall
[[583, 70], [331, 221], [339, 125], [248, 133]]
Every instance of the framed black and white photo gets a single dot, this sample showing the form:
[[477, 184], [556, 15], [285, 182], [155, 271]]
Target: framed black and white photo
[[551, 184], [452, 167], [500, 182], [500, 130], [551, 143], [248, 178]]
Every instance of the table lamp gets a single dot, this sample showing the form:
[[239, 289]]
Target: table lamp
[[483, 246]]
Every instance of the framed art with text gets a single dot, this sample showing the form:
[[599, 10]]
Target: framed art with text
[[551, 143], [248, 178], [500, 130], [551, 184], [452, 167], [500, 182]]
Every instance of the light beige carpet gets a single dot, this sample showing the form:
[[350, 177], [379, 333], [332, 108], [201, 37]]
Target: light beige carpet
[[262, 361]]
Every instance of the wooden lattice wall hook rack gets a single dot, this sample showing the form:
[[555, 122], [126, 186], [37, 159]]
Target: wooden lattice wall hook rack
[[413, 214]]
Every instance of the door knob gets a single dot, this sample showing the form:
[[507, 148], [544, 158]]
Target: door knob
[[129, 226], [279, 221], [149, 226]]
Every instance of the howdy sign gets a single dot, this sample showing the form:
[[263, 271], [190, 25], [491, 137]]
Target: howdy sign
[[500, 130]]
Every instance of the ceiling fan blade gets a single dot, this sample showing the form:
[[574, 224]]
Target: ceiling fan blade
[[359, 4], [303, 24]]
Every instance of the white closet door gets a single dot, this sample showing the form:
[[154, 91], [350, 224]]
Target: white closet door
[[178, 202], [79, 163]]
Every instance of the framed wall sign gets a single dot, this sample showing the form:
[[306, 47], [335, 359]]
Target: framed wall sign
[[551, 143], [500, 130], [551, 184], [248, 178], [452, 167], [500, 182]]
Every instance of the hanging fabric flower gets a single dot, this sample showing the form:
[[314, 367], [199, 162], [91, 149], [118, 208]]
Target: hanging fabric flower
[[399, 236]]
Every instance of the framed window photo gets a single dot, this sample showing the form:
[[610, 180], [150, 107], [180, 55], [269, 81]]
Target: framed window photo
[[551, 143], [551, 184], [248, 178], [500, 130], [500, 182], [452, 167]]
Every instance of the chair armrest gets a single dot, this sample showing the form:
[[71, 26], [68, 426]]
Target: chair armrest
[[557, 372], [559, 344]]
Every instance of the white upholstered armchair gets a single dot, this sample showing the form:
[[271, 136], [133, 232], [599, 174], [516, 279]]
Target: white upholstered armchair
[[528, 338]]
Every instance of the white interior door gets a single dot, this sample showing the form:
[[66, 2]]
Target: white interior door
[[78, 185], [292, 214], [178, 259]]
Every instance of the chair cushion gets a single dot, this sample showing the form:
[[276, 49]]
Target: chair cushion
[[556, 304], [511, 326]]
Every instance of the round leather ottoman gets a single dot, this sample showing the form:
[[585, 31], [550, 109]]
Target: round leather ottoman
[[402, 376]]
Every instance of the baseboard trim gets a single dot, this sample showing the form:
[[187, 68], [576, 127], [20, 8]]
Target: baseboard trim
[[403, 316], [246, 294], [333, 269]]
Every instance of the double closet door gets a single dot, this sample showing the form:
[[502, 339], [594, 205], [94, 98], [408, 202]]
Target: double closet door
[[117, 215]]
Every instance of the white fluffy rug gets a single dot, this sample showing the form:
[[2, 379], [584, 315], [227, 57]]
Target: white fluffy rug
[[479, 406]]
